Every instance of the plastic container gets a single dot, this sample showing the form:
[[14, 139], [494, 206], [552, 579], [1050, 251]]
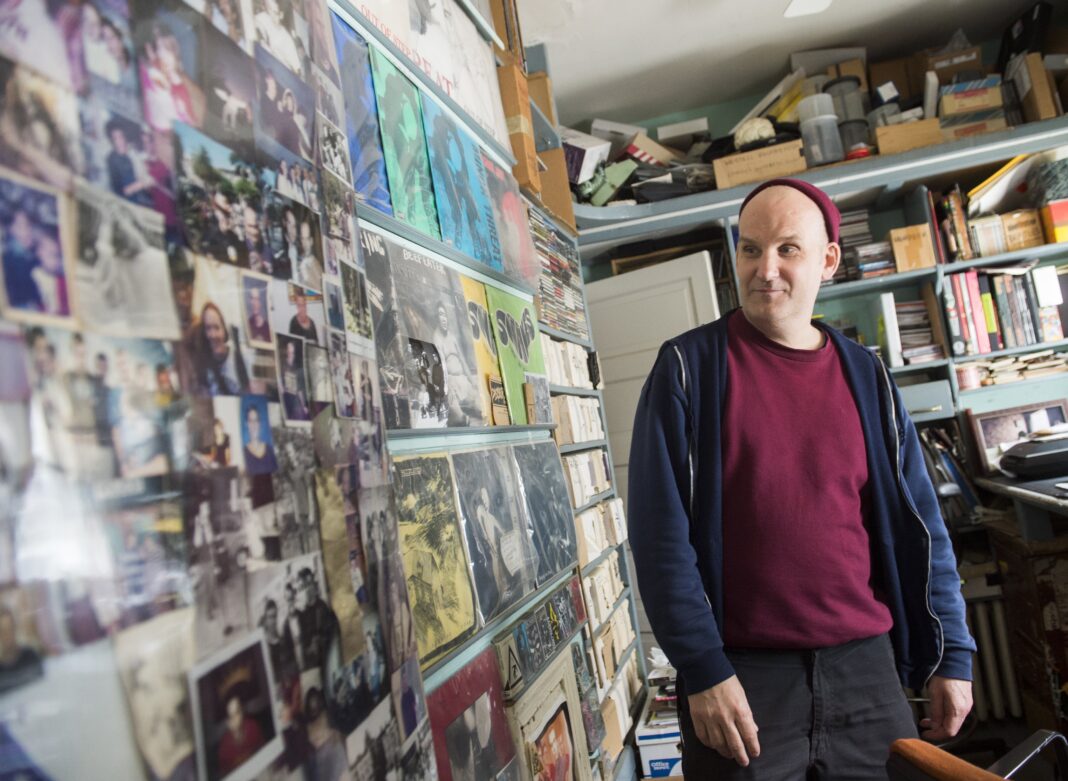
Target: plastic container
[[813, 85], [854, 134], [883, 116], [820, 139], [818, 105], [848, 99]]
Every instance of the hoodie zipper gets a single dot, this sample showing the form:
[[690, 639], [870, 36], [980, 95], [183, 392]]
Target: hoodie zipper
[[916, 515]]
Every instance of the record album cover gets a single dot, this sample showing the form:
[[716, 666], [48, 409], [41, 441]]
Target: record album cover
[[478, 323], [465, 213], [515, 327], [404, 145], [471, 734], [510, 215], [361, 118], [442, 370], [551, 521], [439, 582], [502, 558], [391, 343]]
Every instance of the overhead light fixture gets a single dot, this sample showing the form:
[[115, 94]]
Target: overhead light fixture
[[806, 7]]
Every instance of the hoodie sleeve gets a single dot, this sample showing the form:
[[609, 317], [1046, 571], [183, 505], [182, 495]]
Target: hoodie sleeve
[[660, 527], [947, 602]]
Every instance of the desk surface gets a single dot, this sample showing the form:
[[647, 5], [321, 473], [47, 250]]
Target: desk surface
[[1042, 493]]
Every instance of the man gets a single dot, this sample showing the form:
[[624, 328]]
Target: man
[[786, 536], [122, 175]]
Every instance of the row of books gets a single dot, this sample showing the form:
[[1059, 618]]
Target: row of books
[[577, 418], [991, 310], [568, 364], [599, 528], [587, 475], [910, 332], [560, 300], [611, 645], [603, 587]]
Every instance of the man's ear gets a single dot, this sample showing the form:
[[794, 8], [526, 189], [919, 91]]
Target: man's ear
[[831, 260]]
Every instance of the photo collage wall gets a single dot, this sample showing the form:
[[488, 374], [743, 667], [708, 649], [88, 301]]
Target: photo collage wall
[[202, 353]]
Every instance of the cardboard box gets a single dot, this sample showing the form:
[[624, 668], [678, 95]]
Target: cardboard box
[[1054, 217], [540, 88], [850, 68], [555, 190], [659, 747], [969, 98], [506, 24], [1034, 86], [516, 100], [979, 126], [892, 139], [913, 247], [1023, 229], [646, 150], [760, 164], [906, 73], [583, 152], [946, 66]]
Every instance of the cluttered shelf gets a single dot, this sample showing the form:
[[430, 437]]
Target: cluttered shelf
[[1041, 252], [348, 11], [919, 367], [371, 216], [880, 176], [1029, 348], [622, 664], [1055, 380], [595, 562]]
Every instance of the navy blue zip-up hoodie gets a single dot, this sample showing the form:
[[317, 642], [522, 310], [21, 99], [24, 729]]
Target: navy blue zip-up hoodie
[[675, 514]]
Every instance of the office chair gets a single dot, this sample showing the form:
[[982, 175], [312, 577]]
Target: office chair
[[912, 759]]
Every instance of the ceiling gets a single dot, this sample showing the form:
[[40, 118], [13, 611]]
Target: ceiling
[[639, 59]]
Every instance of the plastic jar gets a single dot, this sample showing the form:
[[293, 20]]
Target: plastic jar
[[820, 139], [817, 105], [847, 97], [854, 134]]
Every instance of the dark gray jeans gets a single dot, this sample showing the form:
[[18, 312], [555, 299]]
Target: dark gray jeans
[[825, 714]]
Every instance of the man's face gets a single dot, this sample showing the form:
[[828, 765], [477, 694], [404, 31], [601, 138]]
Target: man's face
[[252, 226], [235, 714], [118, 141], [301, 303], [291, 226], [783, 254], [22, 228], [306, 242], [215, 331], [443, 319]]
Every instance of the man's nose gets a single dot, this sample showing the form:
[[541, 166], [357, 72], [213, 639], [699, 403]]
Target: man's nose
[[768, 266]]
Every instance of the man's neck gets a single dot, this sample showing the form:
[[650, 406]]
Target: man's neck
[[797, 335]]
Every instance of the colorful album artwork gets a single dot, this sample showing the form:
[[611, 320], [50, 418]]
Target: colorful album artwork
[[465, 213], [404, 146], [515, 327], [478, 323], [361, 118], [510, 212]]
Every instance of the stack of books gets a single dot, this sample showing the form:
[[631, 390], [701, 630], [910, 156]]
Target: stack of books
[[875, 259], [1019, 368], [560, 302], [855, 231], [917, 338]]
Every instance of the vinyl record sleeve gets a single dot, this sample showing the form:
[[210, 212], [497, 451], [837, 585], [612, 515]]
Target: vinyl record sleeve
[[549, 516], [515, 327]]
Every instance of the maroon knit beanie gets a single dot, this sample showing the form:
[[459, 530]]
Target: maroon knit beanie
[[832, 218]]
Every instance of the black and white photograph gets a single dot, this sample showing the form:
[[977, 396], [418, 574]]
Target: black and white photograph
[[502, 559], [228, 78], [154, 660], [323, 54], [292, 176], [233, 18], [320, 379], [343, 376], [294, 488], [220, 201], [328, 98], [339, 205], [298, 311], [295, 241], [255, 295], [391, 345], [233, 713], [374, 748], [427, 386], [218, 555], [409, 702], [20, 643], [334, 150], [292, 380], [543, 405], [381, 541], [335, 312], [285, 107], [282, 29], [357, 307], [332, 436], [35, 254], [550, 519], [39, 128], [212, 356], [121, 254]]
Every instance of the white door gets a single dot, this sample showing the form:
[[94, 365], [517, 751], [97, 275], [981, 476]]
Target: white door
[[631, 316]]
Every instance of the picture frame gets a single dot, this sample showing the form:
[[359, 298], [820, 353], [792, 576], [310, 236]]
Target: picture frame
[[547, 723], [993, 431]]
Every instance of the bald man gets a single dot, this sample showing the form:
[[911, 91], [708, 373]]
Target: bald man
[[788, 543]]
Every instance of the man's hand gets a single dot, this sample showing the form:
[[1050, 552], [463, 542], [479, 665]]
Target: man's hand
[[951, 699], [723, 721]]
